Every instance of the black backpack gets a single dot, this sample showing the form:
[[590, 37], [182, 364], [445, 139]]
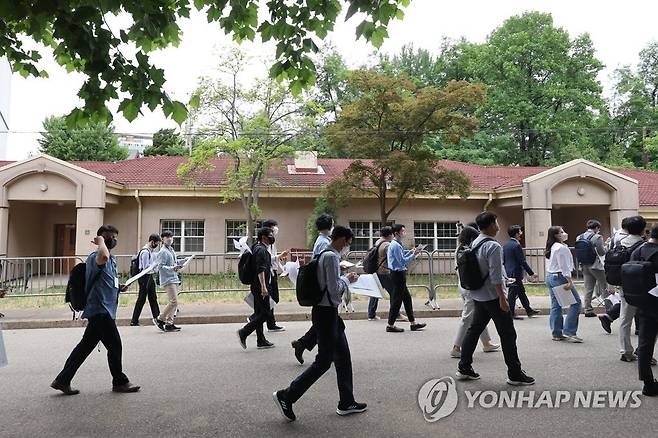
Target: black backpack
[[371, 260], [76, 288], [615, 259], [470, 275], [638, 278], [246, 269], [309, 292], [134, 263], [585, 251]]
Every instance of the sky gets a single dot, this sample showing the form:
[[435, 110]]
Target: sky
[[619, 30]]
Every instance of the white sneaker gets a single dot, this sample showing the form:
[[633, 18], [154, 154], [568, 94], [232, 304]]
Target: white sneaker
[[573, 339], [376, 318], [455, 354], [491, 348]]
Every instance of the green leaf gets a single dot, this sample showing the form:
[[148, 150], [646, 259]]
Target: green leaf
[[130, 110], [195, 101], [179, 112]]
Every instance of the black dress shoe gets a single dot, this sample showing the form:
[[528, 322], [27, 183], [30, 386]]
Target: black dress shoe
[[243, 339], [650, 389], [418, 326], [66, 389], [532, 312], [126, 388], [394, 329], [605, 323], [264, 344], [134, 324], [299, 351]]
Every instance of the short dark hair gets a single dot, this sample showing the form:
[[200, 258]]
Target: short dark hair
[[341, 231], [513, 230], [107, 228], [593, 223], [636, 225], [263, 232], [270, 223], [154, 238], [397, 228], [324, 222], [624, 223], [467, 235], [166, 233], [386, 231], [654, 232], [473, 225], [485, 219]]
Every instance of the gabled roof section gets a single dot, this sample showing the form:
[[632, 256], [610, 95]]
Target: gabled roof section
[[572, 163]]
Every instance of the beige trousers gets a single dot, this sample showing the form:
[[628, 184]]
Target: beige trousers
[[167, 315]]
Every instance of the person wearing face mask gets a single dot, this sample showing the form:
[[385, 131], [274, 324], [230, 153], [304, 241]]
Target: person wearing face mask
[[398, 259], [261, 288], [559, 267], [102, 283], [146, 256], [168, 267]]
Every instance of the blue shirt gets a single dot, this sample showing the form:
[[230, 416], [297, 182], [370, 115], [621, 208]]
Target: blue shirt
[[397, 257], [166, 264], [321, 243], [103, 285]]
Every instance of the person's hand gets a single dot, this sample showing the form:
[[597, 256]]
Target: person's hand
[[177, 268], [263, 291], [534, 277], [123, 287], [284, 256], [567, 286], [352, 277], [504, 305], [98, 240]]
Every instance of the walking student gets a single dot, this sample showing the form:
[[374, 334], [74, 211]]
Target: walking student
[[590, 247], [102, 284], [168, 267], [491, 303], [146, 256], [324, 224], [331, 339], [383, 273], [261, 288], [558, 274], [466, 238], [515, 267], [398, 260]]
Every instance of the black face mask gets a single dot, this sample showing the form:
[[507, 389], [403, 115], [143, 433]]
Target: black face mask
[[110, 243], [271, 238]]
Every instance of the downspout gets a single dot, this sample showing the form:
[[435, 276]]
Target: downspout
[[489, 201], [139, 219]]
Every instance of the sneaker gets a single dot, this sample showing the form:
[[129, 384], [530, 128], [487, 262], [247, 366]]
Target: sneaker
[[521, 380], [264, 344], [126, 388], [375, 318], [628, 357], [159, 324], [284, 407], [418, 326], [171, 328], [518, 317], [532, 312], [242, 339], [394, 329], [134, 324], [606, 323], [299, 351], [66, 389], [589, 313], [352, 408], [559, 338], [457, 354], [489, 348], [574, 339], [276, 328], [650, 389], [467, 374]]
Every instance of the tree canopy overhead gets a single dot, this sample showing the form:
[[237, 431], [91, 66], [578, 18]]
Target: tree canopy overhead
[[81, 40]]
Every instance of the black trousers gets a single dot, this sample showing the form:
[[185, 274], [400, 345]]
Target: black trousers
[[646, 343], [332, 347], [274, 293], [483, 313], [146, 289], [99, 328], [310, 339], [517, 289], [399, 296], [261, 313]]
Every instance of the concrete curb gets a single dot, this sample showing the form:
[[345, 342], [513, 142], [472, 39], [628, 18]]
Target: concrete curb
[[228, 319]]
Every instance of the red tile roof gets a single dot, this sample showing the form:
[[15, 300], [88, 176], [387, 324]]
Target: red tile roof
[[161, 172]]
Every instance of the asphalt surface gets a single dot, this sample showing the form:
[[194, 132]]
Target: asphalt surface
[[200, 383]]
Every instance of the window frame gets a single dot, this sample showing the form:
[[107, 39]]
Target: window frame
[[434, 237], [372, 238], [182, 237], [228, 244]]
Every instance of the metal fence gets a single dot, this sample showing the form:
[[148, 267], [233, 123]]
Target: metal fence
[[47, 276]]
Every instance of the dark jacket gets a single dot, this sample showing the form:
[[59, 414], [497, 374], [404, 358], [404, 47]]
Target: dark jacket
[[514, 260], [262, 260]]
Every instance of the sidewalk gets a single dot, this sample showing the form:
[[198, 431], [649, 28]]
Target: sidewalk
[[233, 313]]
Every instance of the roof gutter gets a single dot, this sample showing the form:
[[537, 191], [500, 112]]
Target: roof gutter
[[139, 218], [488, 203]]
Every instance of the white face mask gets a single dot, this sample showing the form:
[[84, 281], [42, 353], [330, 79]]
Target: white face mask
[[168, 241], [344, 251], [275, 230], [565, 237]]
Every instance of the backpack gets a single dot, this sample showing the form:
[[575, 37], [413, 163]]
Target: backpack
[[76, 288], [134, 263], [585, 251], [638, 278], [615, 259], [371, 260], [246, 269], [470, 275], [308, 288]]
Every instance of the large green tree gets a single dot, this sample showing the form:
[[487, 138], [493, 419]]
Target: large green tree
[[384, 130], [95, 142], [166, 142], [81, 40]]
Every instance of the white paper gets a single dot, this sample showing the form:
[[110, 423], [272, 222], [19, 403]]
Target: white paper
[[249, 299], [368, 285], [564, 297], [346, 265], [291, 269], [187, 262], [3, 352], [241, 245], [654, 291], [148, 270], [614, 298]]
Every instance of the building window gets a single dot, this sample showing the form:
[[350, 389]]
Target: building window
[[366, 234], [436, 235], [235, 229], [189, 235]]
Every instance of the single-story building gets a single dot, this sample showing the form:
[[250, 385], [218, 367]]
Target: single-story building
[[49, 207]]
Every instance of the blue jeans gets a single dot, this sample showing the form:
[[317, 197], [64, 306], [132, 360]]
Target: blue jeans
[[558, 324]]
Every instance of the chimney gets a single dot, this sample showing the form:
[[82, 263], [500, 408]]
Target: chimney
[[306, 161]]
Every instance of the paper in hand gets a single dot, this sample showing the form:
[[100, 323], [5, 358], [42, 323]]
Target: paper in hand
[[241, 245], [249, 299], [564, 296], [368, 285], [291, 269], [148, 270]]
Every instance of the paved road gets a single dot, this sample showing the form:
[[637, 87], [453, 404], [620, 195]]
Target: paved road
[[199, 382]]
